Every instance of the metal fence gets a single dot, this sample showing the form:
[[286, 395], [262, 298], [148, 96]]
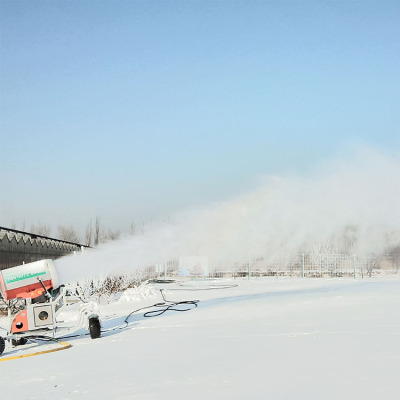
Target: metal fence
[[300, 265]]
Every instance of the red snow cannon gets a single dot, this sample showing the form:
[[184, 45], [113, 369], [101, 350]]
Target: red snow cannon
[[34, 299]]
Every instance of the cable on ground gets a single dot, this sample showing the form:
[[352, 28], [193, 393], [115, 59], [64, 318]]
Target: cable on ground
[[64, 346], [167, 305]]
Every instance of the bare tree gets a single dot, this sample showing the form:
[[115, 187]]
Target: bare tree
[[97, 232], [68, 234], [42, 230], [106, 286], [371, 265], [111, 235], [132, 229], [89, 234], [348, 239]]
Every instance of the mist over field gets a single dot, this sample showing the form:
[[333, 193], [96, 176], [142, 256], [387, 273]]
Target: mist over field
[[350, 205]]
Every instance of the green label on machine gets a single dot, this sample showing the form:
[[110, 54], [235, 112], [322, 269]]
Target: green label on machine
[[23, 276]]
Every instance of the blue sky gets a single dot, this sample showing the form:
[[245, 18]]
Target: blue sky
[[131, 110]]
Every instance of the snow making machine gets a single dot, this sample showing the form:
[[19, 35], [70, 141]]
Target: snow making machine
[[34, 299]]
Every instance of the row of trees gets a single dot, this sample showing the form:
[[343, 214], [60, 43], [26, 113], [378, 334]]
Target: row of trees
[[94, 234]]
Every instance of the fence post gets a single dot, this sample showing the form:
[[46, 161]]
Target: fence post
[[302, 266], [354, 266], [248, 270]]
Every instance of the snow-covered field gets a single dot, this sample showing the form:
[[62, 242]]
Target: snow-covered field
[[263, 339]]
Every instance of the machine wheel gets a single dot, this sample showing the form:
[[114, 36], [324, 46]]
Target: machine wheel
[[18, 342], [94, 328], [2, 345]]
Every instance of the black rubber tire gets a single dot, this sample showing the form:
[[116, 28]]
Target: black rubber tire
[[94, 328], [2, 345], [18, 342]]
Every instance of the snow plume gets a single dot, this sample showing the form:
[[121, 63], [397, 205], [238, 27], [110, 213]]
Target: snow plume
[[352, 205]]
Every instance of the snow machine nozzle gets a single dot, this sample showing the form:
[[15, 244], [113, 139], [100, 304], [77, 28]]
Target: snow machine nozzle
[[28, 281]]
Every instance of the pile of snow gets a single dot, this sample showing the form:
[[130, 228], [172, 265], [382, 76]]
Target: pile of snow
[[138, 294]]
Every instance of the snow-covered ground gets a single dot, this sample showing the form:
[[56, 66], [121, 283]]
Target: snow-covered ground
[[263, 339]]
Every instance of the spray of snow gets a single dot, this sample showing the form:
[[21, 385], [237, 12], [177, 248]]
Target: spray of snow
[[354, 201]]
